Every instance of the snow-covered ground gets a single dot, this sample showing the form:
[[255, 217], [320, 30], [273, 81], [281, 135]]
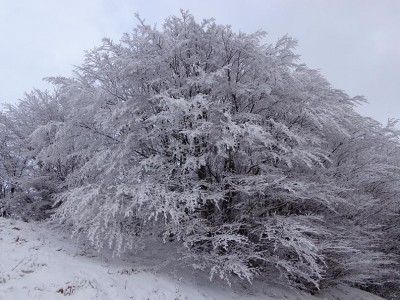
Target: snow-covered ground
[[38, 263]]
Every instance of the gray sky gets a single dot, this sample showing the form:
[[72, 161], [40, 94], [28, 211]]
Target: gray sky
[[354, 43]]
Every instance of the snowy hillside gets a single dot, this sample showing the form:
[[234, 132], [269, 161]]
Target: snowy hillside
[[37, 263]]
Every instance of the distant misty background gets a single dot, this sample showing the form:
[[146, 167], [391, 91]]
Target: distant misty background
[[355, 44]]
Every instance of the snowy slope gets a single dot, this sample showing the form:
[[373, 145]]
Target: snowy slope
[[38, 263]]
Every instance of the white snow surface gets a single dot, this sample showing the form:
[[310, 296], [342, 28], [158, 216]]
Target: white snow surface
[[41, 263]]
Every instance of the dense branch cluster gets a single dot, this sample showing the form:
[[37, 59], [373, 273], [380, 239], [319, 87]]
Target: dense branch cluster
[[250, 163]]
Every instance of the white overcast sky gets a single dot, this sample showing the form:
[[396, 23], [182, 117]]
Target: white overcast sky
[[354, 43]]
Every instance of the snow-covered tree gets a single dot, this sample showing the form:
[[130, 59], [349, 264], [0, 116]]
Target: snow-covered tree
[[27, 185]]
